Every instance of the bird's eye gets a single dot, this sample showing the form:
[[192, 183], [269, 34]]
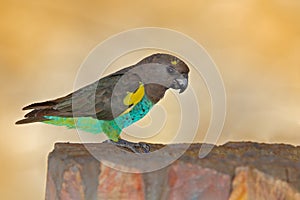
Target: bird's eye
[[171, 69]]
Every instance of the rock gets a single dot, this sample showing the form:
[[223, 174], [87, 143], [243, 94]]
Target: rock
[[103, 171], [250, 183]]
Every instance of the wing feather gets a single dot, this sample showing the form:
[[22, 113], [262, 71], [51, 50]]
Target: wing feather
[[102, 99]]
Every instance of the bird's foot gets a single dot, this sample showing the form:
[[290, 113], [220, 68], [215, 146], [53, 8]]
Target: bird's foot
[[134, 147]]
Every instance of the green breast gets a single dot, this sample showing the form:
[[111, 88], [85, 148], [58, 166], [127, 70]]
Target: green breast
[[135, 114]]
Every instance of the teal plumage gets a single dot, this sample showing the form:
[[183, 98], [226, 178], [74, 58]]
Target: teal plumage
[[111, 127], [116, 101]]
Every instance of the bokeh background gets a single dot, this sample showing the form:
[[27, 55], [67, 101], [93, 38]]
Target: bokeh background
[[254, 43]]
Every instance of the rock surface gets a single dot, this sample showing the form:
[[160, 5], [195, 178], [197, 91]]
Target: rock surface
[[236, 170], [249, 183]]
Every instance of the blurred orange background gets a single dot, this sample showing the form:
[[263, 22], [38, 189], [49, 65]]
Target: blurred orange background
[[254, 43]]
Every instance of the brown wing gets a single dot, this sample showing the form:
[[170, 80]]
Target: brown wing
[[102, 99]]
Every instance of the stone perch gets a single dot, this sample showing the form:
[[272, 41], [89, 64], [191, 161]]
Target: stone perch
[[235, 171]]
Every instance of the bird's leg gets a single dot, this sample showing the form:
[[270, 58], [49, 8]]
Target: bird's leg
[[134, 147]]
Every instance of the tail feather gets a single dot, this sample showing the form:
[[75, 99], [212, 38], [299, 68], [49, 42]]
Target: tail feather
[[31, 113], [42, 112], [39, 111], [31, 120], [47, 104], [39, 115], [39, 106]]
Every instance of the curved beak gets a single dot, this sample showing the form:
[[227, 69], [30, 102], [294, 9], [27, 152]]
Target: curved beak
[[180, 83]]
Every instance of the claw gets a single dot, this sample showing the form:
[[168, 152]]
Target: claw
[[143, 146], [134, 147]]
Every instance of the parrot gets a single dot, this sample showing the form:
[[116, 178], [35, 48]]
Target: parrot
[[115, 101]]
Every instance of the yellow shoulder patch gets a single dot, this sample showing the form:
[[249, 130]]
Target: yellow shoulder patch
[[174, 62], [133, 98]]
